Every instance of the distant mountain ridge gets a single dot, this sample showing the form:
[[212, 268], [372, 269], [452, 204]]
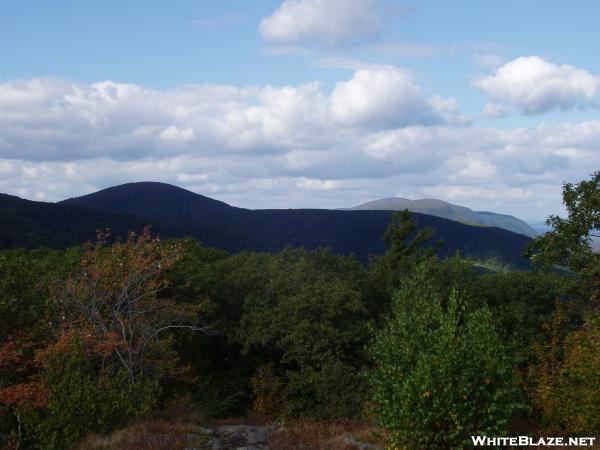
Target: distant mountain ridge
[[176, 212], [440, 208]]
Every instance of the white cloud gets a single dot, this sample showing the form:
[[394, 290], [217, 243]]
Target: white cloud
[[385, 96], [485, 194], [48, 119], [173, 134], [470, 167], [375, 135], [535, 85], [312, 184], [494, 111], [328, 23]]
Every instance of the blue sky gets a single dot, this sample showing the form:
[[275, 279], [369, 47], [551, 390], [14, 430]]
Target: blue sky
[[302, 103]]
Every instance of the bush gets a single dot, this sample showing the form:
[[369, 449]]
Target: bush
[[84, 398], [267, 389], [308, 321], [441, 372], [333, 391], [567, 377]]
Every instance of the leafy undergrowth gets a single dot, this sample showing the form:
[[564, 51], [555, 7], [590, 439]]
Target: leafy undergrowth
[[324, 436]]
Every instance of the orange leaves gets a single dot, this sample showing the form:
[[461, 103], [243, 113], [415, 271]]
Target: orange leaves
[[11, 357], [16, 364], [25, 395], [90, 344], [23, 390], [112, 341], [115, 301], [132, 268], [566, 376]]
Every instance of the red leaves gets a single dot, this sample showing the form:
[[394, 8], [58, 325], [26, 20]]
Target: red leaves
[[24, 391], [30, 394]]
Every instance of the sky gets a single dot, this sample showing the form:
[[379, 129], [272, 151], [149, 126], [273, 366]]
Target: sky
[[491, 105]]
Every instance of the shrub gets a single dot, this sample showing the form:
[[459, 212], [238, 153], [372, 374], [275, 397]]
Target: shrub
[[266, 390], [309, 322], [333, 391], [441, 373], [83, 398], [567, 377]]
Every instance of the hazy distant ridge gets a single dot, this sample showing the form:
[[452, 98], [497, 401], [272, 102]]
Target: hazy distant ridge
[[450, 211]]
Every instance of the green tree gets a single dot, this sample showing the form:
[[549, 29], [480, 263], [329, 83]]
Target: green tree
[[219, 283], [108, 342], [407, 246], [566, 376], [114, 296], [83, 394], [521, 304], [441, 373], [569, 243], [27, 322], [307, 319], [25, 280]]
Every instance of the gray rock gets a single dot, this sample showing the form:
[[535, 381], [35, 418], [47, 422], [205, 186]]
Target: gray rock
[[256, 435], [216, 444], [241, 437]]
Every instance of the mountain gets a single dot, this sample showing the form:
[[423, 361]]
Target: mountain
[[29, 224], [157, 200], [176, 212], [450, 211]]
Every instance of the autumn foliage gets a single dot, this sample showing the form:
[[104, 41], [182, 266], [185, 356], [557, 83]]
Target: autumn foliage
[[566, 377], [101, 366]]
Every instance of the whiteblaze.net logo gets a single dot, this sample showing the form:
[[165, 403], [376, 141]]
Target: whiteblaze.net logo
[[526, 441]]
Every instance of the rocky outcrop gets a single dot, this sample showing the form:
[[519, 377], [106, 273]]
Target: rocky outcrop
[[238, 437], [251, 437]]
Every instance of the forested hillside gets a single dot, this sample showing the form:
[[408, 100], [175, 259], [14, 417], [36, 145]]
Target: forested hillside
[[175, 212], [29, 224]]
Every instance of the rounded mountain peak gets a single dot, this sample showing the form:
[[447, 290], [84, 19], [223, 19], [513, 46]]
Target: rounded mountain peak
[[152, 199]]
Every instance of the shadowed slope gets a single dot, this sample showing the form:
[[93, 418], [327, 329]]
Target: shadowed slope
[[359, 232], [29, 224]]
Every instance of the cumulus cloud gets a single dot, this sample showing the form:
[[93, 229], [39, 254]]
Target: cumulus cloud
[[376, 134], [385, 96], [327, 23], [48, 119], [518, 171], [472, 168], [535, 85]]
